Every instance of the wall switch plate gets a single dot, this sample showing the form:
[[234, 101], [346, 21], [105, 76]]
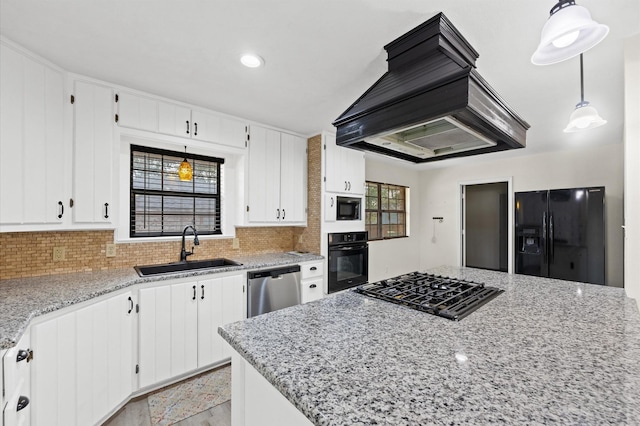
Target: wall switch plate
[[235, 243], [111, 250], [58, 254]]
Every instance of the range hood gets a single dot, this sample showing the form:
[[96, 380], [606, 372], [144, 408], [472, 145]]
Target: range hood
[[431, 104]]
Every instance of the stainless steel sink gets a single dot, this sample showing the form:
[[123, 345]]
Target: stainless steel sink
[[194, 265]]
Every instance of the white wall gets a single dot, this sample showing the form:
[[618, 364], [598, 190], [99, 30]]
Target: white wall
[[388, 258], [595, 166], [632, 168]]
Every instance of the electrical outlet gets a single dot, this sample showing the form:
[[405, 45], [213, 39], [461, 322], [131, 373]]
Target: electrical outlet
[[235, 243], [58, 254], [111, 250]]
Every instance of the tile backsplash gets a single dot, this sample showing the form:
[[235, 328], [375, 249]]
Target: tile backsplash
[[30, 254]]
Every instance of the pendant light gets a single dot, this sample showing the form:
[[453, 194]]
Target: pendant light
[[584, 116], [568, 32], [185, 172]]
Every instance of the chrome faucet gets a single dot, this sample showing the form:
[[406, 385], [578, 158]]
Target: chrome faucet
[[183, 252]]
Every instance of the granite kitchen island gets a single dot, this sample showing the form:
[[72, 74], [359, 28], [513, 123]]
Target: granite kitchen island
[[543, 351]]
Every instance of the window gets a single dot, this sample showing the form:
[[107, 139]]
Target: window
[[385, 213], [162, 204]]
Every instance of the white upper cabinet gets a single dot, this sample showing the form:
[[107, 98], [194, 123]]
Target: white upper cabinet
[[277, 184], [32, 145], [137, 112], [158, 116], [218, 129], [93, 153], [344, 168]]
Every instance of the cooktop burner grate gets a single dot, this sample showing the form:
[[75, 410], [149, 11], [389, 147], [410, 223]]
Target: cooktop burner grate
[[450, 298]]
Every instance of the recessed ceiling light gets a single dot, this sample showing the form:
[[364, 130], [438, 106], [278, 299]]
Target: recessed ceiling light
[[251, 60]]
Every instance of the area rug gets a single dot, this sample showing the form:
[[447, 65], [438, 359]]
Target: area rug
[[193, 396]]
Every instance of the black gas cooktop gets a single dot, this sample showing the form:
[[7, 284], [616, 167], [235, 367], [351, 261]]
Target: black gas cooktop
[[450, 298]]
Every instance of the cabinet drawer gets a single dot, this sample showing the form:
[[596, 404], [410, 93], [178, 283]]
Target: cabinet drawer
[[311, 270], [311, 290]]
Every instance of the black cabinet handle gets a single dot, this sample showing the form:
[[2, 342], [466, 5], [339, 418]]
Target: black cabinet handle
[[23, 401], [195, 129], [22, 355], [106, 210], [278, 214], [194, 292], [187, 126], [61, 209], [313, 268], [131, 306], [345, 185], [331, 201], [284, 213], [202, 288], [313, 286]]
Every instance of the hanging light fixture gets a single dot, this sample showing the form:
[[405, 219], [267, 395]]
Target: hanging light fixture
[[185, 172], [568, 32], [584, 116]]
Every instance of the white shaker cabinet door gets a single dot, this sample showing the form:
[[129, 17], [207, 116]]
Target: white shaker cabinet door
[[83, 363], [93, 153], [32, 148], [221, 301], [264, 176], [293, 179], [174, 120], [218, 129], [168, 332], [137, 112]]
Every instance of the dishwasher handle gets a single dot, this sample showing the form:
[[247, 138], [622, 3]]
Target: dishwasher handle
[[274, 272]]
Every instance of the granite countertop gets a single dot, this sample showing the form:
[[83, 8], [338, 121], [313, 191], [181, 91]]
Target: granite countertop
[[544, 351], [23, 299]]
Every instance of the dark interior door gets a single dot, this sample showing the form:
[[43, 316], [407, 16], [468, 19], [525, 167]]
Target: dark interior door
[[531, 224], [486, 226]]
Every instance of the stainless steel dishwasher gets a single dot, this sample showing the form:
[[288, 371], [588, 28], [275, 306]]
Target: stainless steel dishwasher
[[272, 289]]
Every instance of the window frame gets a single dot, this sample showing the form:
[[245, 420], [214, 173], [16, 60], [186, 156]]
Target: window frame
[[380, 211], [217, 196]]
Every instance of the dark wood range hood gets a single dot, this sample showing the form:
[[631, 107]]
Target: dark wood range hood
[[431, 104]]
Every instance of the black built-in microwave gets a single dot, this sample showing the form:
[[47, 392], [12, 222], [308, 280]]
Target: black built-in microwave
[[348, 208]]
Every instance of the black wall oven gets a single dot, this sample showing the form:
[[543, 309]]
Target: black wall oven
[[348, 260]]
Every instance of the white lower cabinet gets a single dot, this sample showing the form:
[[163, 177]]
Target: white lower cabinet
[[256, 402], [311, 281], [178, 325], [16, 398], [82, 364]]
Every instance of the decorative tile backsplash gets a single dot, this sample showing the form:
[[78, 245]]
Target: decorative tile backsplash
[[30, 254]]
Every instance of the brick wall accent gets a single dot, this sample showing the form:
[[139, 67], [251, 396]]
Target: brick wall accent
[[308, 239]]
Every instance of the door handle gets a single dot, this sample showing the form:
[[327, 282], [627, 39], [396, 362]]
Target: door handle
[[551, 238], [345, 185], [278, 214], [23, 401], [331, 201], [194, 293], [349, 186], [130, 306], [106, 210], [313, 286], [195, 129], [61, 209], [284, 213], [202, 288], [544, 235], [187, 126], [313, 268]]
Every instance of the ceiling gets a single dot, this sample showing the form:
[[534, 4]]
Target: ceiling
[[322, 55]]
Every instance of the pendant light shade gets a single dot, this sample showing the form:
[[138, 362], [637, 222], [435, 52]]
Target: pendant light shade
[[568, 32], [185, 171], [584, 116]]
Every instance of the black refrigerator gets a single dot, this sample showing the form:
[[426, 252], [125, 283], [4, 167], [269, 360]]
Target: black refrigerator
[[560, 233]]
